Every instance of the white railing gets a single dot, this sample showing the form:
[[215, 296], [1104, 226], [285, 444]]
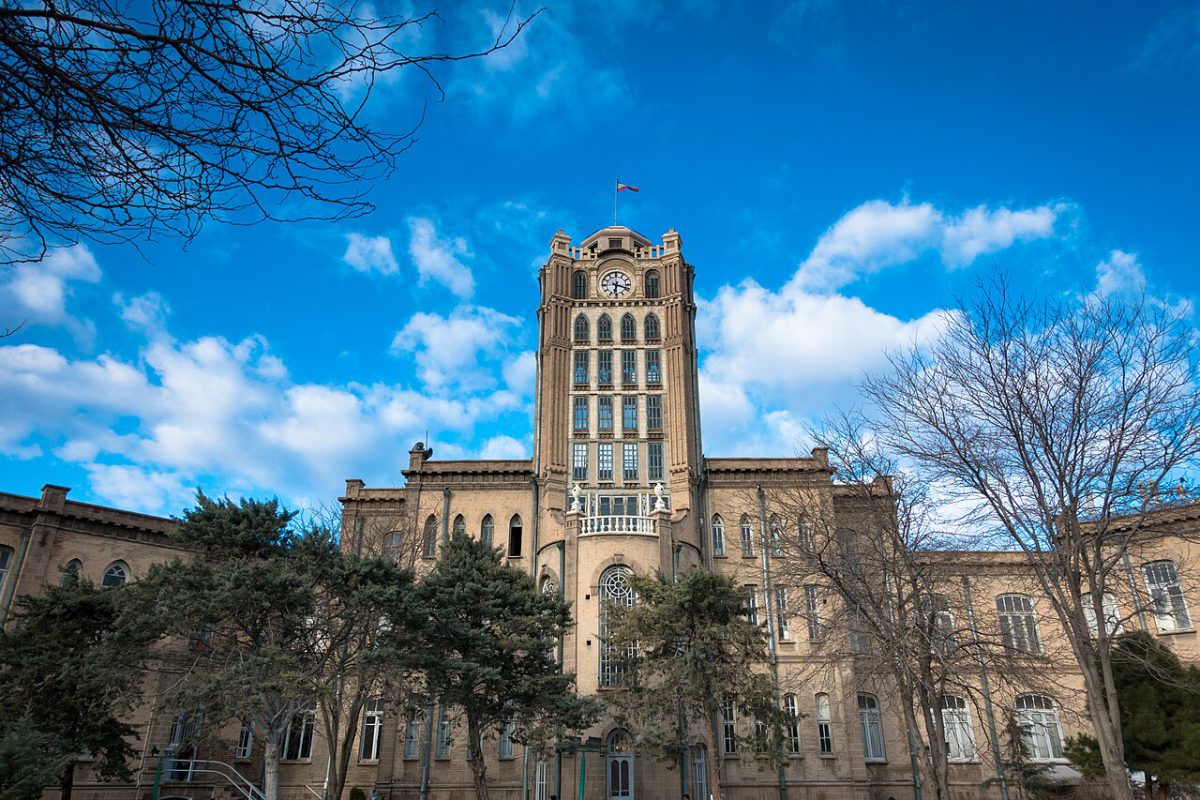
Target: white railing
[[611, 524], [240, 783]]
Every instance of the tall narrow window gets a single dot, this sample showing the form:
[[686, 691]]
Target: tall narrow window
[[1112, 617], [445, 728], [460, 526], [581, 415], [541, 780], [956, 722], [848, 549], [804, 534], [629, 414], [581, 368], [651, 329], [1018, 626], [614, 590], [70, 572], [652, 284], [604, 328], [579, 285], [1166, 596], [412, 733], [653, 368], [604, 414], [514, 536], [860, 635], [776, 536], [781, 607], [604, 367], [245, 743], [628, 329], [699, 772], [941, 625], [752, 604], [812, 612], [579, 462], [116, 575], [429, 538], [747, 536], [629, 463], [654, 413], [629, 366], [872, 727], [297, 742], [487, 531], [791, 726], [6, 555], [824, 725], [582, 330], [372, 725], [505, 748], [654, 461], [729, 727], [604, 461], [1037, 717], [718, 535]]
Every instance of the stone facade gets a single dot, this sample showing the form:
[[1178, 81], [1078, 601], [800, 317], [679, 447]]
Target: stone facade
[[619, 481]]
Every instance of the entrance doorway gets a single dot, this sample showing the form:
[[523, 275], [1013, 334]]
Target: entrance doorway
[[620, 765]]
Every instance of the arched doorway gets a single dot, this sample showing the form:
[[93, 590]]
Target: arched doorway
[[620, 765]]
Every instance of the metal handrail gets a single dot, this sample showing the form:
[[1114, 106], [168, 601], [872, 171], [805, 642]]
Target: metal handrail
[[246, 787]]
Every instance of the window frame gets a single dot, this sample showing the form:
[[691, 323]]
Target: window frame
[[628, 329], [370, 730], [581, 330], [651, 328], [652, 285], [429, 537], [870, 717], [1018, 626], [957, 727], [746, 535], [119, 566], [516, 537], [1167, 600], [579, 285], [1042, 714], [718, 536]]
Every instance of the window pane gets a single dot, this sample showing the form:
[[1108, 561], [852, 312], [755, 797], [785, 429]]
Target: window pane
[[654, 457], [629, 414], [581, 415], [653, 370], [630, 462], [604, 413]]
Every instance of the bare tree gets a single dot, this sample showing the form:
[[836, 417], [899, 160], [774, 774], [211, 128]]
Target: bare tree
[[1047, 421], [120, 120]]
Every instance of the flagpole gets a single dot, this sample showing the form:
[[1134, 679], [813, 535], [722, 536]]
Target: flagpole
[[616, 183]]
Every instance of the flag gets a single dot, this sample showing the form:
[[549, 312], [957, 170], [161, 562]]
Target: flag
[[622, 187]]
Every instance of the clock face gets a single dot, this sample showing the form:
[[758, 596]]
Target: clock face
[[615, 284]]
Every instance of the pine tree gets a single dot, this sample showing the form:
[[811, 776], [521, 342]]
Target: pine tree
[[489, 650]]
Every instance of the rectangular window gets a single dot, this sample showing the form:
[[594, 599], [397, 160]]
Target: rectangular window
[[653, 368], [860, 639], [541, 781], [872, 728], [628, 366], [729, 727], [781, 607], [812, 610], [654, 415], [579, 463], [604, 366], [654, 461], [297, 743], [444, 728], [629, 414], [1112, 617], [506, 742], [604, 414], [791, 728], [581, 367], [1166, 596], [412, 734], [752, 605], [1018, 624], [372, 725], [245, 743], [6, 554], [581, 415], [604, 462], [630, 463], [956, 723], [824, 731]]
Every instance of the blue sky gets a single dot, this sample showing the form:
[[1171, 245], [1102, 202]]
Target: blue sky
[[838, 173]]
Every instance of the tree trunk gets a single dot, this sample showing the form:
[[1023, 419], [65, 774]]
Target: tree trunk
[[68, 781], [475, 759], [271, 766], [1112, 751]]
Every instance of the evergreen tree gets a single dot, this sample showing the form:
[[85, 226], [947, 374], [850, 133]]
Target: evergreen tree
[[71, 667], [489, 650], [690, 649]]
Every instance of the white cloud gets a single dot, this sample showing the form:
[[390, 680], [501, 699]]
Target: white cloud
[[147, 312], [370, 254], [440, 259], [38, 292], [134, 487], [503, 447], [448, 349], [1120, 273], [879, 234]]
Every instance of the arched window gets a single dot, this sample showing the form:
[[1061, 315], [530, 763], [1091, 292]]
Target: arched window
[[1166, 596], [652, 290], [487, 531], [429, 538], [619, 771], [615, 589], [824, 724], [579, 285], [791, 725], [872, 728], [1018, 625], [116, 575], [514, 536], [70, 572], [956, 723], [628, 329], [392, 541], [699, 772], [581, 329], [604, 328], [718, 535], [460, 526], [650, 328], [776, 536], [1037, 716], [747, 535]]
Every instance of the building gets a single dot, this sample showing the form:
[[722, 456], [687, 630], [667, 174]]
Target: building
[[618, 483]]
